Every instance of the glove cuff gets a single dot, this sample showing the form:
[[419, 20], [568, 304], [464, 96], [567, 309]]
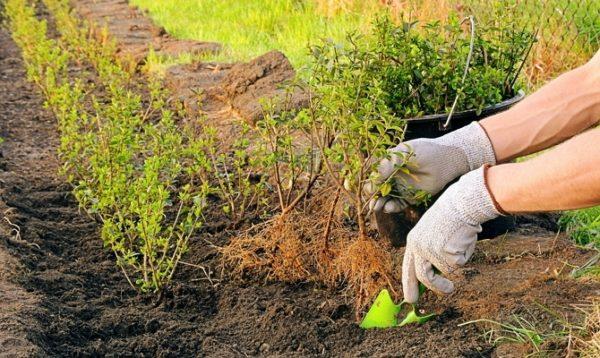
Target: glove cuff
[[502, 212], [474, 142], [476, 205]]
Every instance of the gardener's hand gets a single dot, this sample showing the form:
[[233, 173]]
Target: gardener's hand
[[432, 163], [445, 236]]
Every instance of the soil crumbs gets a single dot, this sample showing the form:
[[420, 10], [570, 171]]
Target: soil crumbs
[[61, 294]]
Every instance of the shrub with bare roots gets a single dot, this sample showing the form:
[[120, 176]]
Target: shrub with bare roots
[[307, 246]]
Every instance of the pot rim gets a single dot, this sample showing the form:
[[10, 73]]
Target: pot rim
[[471, 112]]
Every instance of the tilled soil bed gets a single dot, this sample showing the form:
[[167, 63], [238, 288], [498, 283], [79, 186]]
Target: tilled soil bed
[[61, 294]]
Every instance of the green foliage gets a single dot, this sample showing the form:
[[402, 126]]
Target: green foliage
[[544, 336], [583, 225], [289, 152], [361, 89], [130, 164], [237, 184], [350, 116], [422, 66], [258, 26], [44, 60]]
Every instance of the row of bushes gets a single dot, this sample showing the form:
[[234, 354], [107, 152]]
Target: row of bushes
[[147, 178], [130, 164]]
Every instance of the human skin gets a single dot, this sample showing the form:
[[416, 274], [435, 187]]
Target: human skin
[[565, 177], [559, 110]]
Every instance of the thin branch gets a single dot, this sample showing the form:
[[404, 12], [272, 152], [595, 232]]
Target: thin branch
[[464, 77]]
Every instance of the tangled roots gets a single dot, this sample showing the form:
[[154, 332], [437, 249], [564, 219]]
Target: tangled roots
[[292, 248], [366, 268]]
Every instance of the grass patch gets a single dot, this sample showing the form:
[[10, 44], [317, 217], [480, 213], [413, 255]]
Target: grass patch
[[548, 332], [569, 31], [583, 225], [250, 28]]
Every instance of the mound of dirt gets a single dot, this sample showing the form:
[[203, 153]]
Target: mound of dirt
[[264, 78], [135, 33], [238, 90]]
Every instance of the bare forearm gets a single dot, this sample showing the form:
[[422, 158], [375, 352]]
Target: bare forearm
[[561, 109], [566, 177]]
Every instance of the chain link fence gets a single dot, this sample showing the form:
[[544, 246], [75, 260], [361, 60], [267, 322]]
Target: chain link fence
[[568, 31]]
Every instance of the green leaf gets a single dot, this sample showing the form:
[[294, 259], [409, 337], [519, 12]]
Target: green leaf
[[385, 189]]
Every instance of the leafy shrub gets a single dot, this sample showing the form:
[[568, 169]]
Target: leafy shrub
[[349, 113], [130, 164], [235, 172], [360, 91], [422, 66], [353, 117], [289, 151]]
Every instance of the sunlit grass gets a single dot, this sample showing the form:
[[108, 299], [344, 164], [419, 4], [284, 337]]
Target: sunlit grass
[[583, 225], [250, 28]]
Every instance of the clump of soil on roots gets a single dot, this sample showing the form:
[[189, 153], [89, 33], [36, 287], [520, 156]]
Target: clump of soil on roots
[[293, 248]]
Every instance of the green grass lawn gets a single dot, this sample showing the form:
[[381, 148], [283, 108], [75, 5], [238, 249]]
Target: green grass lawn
[[250, 28]]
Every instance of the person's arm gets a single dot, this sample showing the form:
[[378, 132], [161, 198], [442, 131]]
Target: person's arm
[[566, 177], [561, 109]]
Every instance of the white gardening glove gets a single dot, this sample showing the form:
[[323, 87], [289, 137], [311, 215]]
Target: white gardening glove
[[445, 236], [432, 165]]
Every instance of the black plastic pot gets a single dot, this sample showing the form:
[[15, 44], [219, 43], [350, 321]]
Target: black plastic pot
[[432, 126], [395, 227]]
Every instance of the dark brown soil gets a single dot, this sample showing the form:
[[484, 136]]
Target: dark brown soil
[[61, 295], [136, 33], [220, 91]]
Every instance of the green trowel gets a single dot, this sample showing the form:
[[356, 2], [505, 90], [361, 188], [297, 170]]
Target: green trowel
[[384, 313]]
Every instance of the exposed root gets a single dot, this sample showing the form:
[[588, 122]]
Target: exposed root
[[366, 267], [292, 248], [277, 252], [16, 239]]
